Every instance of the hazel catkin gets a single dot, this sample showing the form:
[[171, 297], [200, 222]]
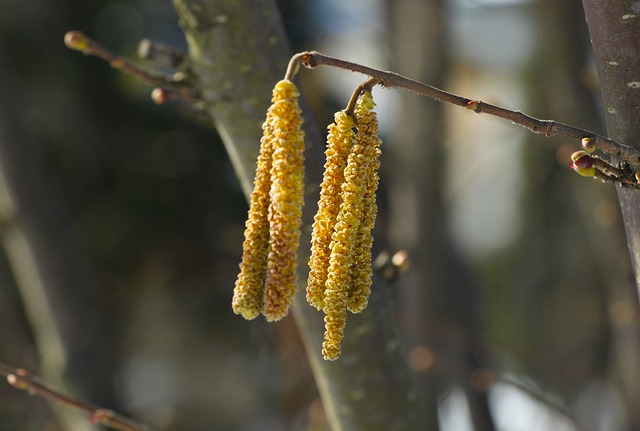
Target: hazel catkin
[[339, 142], [267, 279], [349, 237], [360, 286], [286, 199], [248, 292]]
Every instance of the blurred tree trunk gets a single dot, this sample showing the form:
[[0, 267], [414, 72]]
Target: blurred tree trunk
[[238, 52], [551, 273], [72, 342], [440, 300], [614, 26]]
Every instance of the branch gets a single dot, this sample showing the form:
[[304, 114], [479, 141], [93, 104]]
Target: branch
[[170, 84], [313, 59], [20, 379]]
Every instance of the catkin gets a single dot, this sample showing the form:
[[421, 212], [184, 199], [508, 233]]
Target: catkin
[[360, 286], [248, 292], [339, 142], [347, 286], [267, 279], [286, 200], [343, 241]]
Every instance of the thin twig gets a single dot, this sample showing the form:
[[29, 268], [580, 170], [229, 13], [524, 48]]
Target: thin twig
[[312, 59], [21, 379], [175, 83], [360, 89]]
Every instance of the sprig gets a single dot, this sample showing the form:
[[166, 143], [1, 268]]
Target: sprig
[[313, 59], [21, 379]]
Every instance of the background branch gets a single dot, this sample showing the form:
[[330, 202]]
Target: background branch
[[20, 379]]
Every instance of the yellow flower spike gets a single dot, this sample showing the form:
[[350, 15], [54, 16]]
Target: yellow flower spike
[[334, 320], [342, 246], [248, 293], [286, 199], [339, 272], [339, 142], [360, 285]]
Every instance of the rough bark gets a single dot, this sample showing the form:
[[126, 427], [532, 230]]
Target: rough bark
[[614, 26]]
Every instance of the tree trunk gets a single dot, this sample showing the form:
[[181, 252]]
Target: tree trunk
[[614, 26]]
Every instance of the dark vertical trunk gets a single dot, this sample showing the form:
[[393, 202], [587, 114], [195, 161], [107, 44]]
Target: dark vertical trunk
[[614, 26], [440, 303]]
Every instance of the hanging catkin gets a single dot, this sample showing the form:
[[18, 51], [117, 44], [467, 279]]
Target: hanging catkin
[[248, 293], [339, 141], [360, 286], [340, 274], [267, 279], [286, 200]]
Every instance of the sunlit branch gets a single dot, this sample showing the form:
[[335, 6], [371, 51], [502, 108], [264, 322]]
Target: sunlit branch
[[387, 79]]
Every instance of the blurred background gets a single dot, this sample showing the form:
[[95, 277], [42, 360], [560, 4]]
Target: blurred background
[[128, 218]]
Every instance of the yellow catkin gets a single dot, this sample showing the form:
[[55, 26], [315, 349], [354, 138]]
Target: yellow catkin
[[339, 275], [248, 292], [339, 142], [360, 286], [286, 199]]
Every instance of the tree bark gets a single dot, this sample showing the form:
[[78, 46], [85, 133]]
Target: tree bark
[[614, 26]]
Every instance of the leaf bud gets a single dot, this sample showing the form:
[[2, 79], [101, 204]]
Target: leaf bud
[[588, 145], [76, 40]]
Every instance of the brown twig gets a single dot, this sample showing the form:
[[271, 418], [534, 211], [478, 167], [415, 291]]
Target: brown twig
[[21, 379], [312, 59], [360, 89], [175, 83]]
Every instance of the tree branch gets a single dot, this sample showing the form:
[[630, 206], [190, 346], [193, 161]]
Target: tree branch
[[20, 379], [312, 59]]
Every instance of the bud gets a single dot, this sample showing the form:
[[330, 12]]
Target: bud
[[159, 96], [76, 40], [473, 105], [583, 164], [588, 145], [575, 156]]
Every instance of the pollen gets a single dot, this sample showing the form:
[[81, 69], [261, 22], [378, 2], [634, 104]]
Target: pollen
[[248, 293], [267, 279], [360, 286], [347, 286], [339, 141], [286, 197]]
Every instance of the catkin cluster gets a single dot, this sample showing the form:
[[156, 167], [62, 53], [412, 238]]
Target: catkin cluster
[[267, 280], [340, 263]]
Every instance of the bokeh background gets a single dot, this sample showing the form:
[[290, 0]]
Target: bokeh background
[[129, 216]]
